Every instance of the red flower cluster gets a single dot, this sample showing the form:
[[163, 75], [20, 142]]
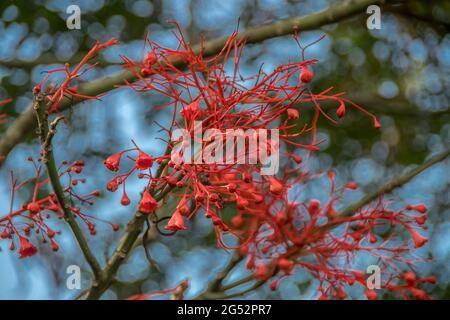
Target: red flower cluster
[[58, 92], [142, 164], [276, 233], [34, 215], [281, 234]]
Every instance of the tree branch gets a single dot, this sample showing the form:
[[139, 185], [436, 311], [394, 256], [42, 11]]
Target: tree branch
[[20, 128], [46, 134], [47, 59], [394, 183]]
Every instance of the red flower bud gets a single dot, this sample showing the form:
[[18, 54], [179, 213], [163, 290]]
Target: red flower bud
[[55, 246], [190, 110], [418, 240], [33, 207], [418, 294], [50, 233], [151, 58], [237, 220], [112, 163], [275, 186], [376, 124], [314, 206], [125, 199], [409, 277], [371, 294], [146, 71], [285, 264], [112, 185], [232, 187], [340, 112], [296, 158], [306, 75], [352, 185], [292, 114], [261, 272], [241, 203], [148, 204], [419, 208], [27, 249], [4, 234], [421, 220]]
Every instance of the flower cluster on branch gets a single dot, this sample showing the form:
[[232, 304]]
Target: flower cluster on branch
[[35, 215], [272, 228], [274, 231]]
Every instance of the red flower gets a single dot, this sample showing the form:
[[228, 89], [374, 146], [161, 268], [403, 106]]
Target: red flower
[[176, 222], [113, 162], [144, 161], [27, 249], [418, 240], [148, 204]]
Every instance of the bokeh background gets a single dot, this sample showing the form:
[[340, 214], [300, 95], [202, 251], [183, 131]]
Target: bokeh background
[[400, 73]]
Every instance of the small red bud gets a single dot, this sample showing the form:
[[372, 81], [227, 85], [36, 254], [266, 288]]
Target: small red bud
[[306, 75]]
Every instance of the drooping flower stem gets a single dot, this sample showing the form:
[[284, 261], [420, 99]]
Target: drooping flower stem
[[46, 133]]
